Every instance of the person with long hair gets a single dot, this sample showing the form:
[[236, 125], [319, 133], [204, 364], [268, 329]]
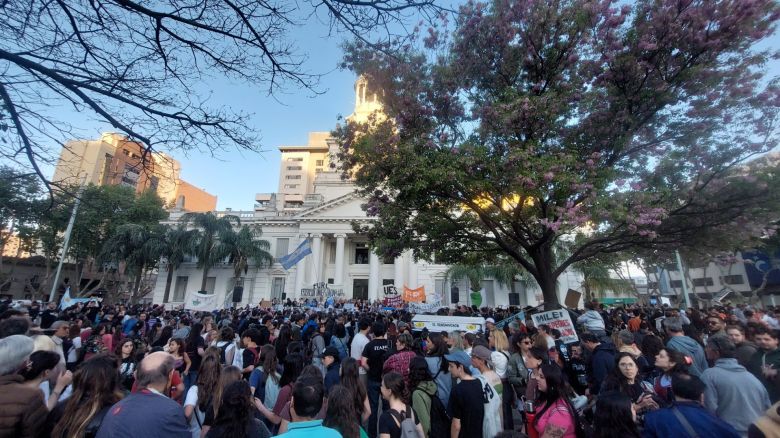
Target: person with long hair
[[517, 372], [235, 418], [423, 390], [436, 348], [498, 342], [199, 395], [394, 390], [556, 415], [126, 355], [350, 379], [165, 335], [651, 346], [399, 361], [227, 376], [615, 416], [176, 347], [293, 365], [95, 389], [669, 362], [625, 378], [45, 367], [282, 341], [339, 340], [195, 348], [310, 373], [99, 341], [341, 413], [264, 380]]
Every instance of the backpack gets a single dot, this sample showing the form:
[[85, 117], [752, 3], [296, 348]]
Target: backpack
[[406, 423], [271, 391], [440, 419], [238, 358], [223, 353], [309, 354]]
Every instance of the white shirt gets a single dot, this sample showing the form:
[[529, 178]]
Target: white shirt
[[358, 344], [192, 400], [500, 363], [72, 356]]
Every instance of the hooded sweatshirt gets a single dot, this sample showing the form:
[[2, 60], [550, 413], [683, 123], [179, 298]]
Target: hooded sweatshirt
[[601, 363], [421, 403], [733, 394], [691, 348]]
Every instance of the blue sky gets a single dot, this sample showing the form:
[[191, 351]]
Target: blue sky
[[284, 119]]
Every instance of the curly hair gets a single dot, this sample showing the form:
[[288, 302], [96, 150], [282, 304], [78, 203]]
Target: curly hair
[[341, 412], [418, 372]]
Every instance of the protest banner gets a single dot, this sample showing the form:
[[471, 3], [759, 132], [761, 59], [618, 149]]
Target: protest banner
[[558, 319], [199, 301], [424, 307], [414, 295], [519, 315]]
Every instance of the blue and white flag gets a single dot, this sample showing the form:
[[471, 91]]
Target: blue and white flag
[[67, 301], [663, 280], [296, 256]]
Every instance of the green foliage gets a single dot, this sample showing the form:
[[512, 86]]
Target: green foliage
[[206, 245]]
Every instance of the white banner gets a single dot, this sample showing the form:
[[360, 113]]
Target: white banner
[[557, 319], [199, 301], [423, 307]]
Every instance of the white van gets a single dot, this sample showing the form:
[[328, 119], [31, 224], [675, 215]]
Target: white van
[[438, 323]]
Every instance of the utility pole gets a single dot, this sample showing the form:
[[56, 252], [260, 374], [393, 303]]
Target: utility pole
[[65, 244], [683, 282]]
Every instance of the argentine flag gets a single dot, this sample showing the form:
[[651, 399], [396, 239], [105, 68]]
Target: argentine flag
[[296, 256]]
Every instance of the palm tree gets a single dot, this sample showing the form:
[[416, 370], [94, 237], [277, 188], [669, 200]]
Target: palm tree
[[138, 247], [176, 246], [243, 246], [597, 277], [205, 245]]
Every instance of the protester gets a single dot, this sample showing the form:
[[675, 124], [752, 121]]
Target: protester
[[195, 349], [615, 416], [395, 392], [359, 342], [556, 415], [685, 345], [670, 362], [199, 395], [423, 390], [745, 348], [226, 345], [465, 404], [765, 363], [22, 409], [160, 415], [228, 375], [732, 393], [235, 418], [517, 371], [127, 363], [293, 365], [341, 413], [592, 321], [331, 359], [686, 418], [398, 362], [436, 349], [373, 359], [264, 380], [96, 387], [340, 341], [624, 378], [45, 370], [492, 389], [602, 360], [305, 403]]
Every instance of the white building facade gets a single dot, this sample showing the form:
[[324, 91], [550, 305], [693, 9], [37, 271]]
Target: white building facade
[[314, 202]]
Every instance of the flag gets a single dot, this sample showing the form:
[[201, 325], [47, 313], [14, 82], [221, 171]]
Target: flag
[[199, 301], [67, 301], [663, 280], [296, 256], [414, 295]]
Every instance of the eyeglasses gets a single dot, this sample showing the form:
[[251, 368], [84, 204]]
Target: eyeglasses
[[627, 365], [527, 342]]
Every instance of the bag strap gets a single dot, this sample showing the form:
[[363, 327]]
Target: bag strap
[[685, 424], [195, 413]]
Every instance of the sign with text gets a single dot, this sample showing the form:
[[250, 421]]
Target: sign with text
[[414, 295], [557, 319]]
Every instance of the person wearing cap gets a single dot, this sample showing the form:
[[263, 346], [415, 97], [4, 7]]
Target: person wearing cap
[[493, 388], [465, 403], [490, 324], [331, 360], [732, 392]]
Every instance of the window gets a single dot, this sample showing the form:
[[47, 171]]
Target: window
[[292, 177], [676, 283], [294, 168], [210, 283], [295, 159], [318, 170], [706, 281], [181, 289], [361, 254], [282, 247], [733, 279], [291, 186], [277, 289], [319, 163], [652, 285], [438, 288], [290, 204]]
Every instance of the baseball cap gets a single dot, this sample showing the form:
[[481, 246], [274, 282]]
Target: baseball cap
[[481, 352], [490, 320], [332, 352], [459, 357]]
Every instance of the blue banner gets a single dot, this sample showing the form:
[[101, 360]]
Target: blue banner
[[296, 256]]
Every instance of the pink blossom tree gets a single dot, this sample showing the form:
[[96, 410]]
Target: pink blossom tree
[[604, 127]]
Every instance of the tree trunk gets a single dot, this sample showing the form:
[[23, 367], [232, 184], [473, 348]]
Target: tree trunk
[[168, 281], [205, 277], [543, 260]]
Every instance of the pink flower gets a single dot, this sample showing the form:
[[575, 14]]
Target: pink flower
[[548, 176]]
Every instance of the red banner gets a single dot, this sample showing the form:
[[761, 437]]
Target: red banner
[[414, 295]]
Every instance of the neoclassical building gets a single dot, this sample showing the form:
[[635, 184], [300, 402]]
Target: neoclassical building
[[313, 202]]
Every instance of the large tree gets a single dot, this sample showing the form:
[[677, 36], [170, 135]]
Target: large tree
[[618, 127], [206, 244], [138, 66]]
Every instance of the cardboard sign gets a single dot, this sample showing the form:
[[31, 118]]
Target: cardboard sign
[[572, 300], [265, 304], [414, 295], [557, 319], [519, 315]]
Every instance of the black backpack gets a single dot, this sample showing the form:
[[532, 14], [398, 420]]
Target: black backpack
[[223, 353], [440, 419]]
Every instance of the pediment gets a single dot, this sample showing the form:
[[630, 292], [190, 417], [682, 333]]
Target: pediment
[[346, 206]]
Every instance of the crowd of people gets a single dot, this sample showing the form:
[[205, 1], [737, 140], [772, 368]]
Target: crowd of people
[[357, 371]]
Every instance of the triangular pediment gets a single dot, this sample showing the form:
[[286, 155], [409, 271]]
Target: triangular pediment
[[346, 206]]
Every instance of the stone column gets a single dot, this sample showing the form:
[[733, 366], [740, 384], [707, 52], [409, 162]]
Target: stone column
[[338, 274], [373, 276], [412, 273], [398, 278], [300, 272], [316, 267]]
